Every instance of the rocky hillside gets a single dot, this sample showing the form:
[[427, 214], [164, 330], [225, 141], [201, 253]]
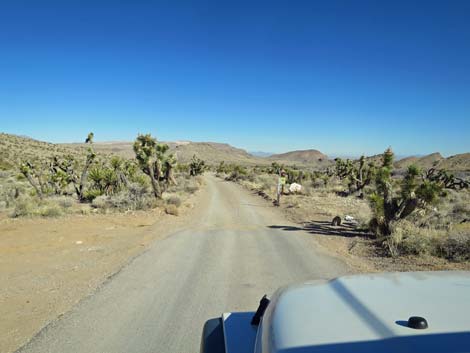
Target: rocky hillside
[[214, 153], [211, 152], [424, 162], [16, 149], [306, 157], [459, 163]]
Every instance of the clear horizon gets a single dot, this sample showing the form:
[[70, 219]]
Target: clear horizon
[[253, 152], [343, 77]]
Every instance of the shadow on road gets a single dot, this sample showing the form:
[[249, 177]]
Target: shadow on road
[[325, 228]]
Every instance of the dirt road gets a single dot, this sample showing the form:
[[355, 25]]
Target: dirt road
[[227, 258]]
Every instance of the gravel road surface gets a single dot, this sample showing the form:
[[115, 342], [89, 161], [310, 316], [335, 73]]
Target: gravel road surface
[[236, 249]]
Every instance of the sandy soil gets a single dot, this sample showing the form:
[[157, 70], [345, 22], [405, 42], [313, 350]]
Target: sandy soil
[[48, 265], [314, 215]]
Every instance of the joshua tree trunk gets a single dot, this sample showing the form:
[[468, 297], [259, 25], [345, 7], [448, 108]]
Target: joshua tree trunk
[[33, 184], [169, 177], [155, 185], [83, 177]]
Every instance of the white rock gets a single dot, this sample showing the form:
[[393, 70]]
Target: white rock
[[294, 187]]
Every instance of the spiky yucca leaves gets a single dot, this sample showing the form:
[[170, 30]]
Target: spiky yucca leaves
[[104, 179], [196, 166], [122, 169], [389, 206]]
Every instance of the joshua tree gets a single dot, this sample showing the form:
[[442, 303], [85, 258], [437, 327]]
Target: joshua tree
[[323, 176], [359, 175], [34, 177], [70, 167], [362, 176], [151, 155], [343, 168], [390, 206], [196, 166], [446, 180], [89, 138], [168, 166], [118, 165]]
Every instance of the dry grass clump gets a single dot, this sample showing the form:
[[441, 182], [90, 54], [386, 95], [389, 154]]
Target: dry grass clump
[[172, 209], [133, 199], [54, 207], [439, 230], [326, 205], [452, 209], [173, 200], [408, 239], [312, 201]]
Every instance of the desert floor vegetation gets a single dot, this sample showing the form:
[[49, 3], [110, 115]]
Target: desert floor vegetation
[[71, 217], [398, 219], [39, 179]]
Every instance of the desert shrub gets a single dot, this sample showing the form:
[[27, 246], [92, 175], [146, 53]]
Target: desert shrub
[[50, 210], [25, 207], [172, 209], [191, 188], [238, 173], [174, 200], [196, 166], [100, 201], [64, 202], [90, 195], [135, 198], [3, 205], [408, 239], [455, 247]]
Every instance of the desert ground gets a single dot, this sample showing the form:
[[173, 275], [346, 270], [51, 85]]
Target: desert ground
[[97, 256], [49, 265], [221, 255]]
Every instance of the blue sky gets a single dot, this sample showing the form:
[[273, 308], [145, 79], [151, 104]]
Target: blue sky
[[344, 77]]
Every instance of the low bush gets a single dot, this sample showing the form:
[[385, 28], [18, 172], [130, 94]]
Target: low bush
[[50, 210], [408, 239], [174, 200], [191, 188], [172, 209], [455, 247], [25, 207]]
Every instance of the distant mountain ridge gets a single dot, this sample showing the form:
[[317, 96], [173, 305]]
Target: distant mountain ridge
[[215, 152], [302, 156], [14, 149], [260, 154]]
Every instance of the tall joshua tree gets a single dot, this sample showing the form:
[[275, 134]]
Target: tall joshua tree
[[359, 175], [196, 166], [390, 205], [33, 176], [151, 157], [68, 170]]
